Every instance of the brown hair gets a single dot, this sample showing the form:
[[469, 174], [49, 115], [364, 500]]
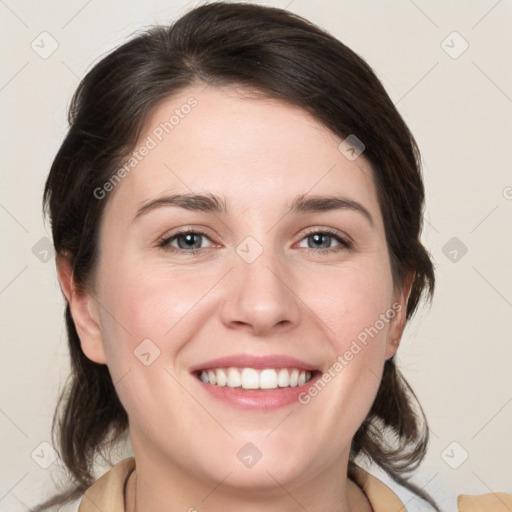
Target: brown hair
[[284, 57]]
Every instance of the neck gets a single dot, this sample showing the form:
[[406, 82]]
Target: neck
[[142, 495]]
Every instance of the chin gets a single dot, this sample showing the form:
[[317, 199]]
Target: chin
[[264, 465]]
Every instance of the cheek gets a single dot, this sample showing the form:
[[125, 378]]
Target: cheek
[[143, 301], [355, 306], [155, 304], [166, 305], [141, 321], [351, 302]]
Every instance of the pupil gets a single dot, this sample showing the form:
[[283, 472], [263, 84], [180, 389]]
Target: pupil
[[317, 238], [189, 240]]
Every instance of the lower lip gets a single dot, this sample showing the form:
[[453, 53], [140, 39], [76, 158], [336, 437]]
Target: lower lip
[[258, 399]]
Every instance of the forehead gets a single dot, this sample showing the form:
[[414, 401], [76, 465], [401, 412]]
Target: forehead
[[254, 151]]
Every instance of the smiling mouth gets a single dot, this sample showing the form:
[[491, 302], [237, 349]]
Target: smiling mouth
[[255, 379]]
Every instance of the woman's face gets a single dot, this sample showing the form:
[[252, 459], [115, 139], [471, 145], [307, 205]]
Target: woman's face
[[265, 280]]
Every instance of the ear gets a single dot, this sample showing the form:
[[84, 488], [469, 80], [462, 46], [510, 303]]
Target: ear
[[397, 323], [84, 312]]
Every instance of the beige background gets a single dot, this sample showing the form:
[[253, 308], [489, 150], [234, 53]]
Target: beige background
[[457, 355]]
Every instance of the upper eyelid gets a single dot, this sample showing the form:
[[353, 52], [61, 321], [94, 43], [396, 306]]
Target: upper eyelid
[[329, 231]]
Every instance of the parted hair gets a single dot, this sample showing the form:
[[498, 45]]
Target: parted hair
[[279, 55]]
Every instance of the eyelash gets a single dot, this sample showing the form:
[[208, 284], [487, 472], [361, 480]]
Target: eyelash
[[344, 242]]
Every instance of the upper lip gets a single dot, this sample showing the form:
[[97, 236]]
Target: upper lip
[[253, 361]]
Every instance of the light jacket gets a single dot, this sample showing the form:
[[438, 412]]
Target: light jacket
[[107, 494]]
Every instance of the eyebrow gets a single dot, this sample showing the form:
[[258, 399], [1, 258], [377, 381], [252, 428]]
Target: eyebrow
[[211, 203]]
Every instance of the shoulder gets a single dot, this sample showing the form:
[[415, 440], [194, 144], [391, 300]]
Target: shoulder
[[383, 499], [107, 493], [380, 496], [492, 502]]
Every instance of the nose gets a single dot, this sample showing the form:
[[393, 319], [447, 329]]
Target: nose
[[259, 296]]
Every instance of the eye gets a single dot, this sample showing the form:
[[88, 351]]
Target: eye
[[322, 239], [191, 242], [184, 241]]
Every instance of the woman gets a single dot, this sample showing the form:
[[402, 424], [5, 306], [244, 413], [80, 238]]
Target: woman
[[236, 212]]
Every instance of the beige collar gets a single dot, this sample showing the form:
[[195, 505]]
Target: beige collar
[[107, 493]]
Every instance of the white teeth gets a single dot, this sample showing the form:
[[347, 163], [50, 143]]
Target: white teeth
[[268, 379], [234, 378], [212, 377], [250, 378], [222, 378], [283, 378]]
